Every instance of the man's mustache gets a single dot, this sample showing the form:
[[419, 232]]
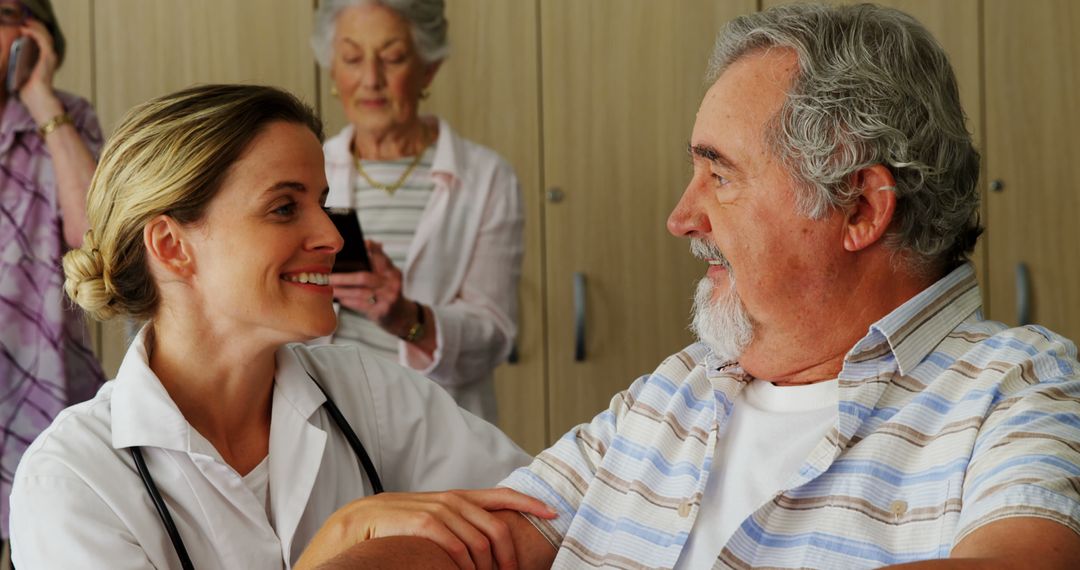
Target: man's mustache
[[704, 249]]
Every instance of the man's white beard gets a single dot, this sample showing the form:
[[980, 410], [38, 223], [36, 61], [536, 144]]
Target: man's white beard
[[723, 323]]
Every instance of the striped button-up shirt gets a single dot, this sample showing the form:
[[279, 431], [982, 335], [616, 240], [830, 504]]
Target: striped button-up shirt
[[946, 422]]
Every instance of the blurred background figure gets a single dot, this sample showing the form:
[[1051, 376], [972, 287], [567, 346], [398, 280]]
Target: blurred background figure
[[443, 216], [48, 141]]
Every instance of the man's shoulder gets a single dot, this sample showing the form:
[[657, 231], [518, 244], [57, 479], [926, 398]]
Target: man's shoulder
[[995, 352], [985, 367]]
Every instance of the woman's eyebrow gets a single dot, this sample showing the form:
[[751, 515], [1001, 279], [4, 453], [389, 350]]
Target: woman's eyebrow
[[286, 185]]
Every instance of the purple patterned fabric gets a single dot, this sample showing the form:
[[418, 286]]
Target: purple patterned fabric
[[45, 360]]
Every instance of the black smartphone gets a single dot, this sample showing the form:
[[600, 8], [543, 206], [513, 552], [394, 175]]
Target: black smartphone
[[21, 62], [353, 255]]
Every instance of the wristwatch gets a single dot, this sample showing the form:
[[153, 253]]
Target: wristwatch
[[416, 332]]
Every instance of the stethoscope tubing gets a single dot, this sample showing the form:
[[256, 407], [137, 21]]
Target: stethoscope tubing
[[163, 509]]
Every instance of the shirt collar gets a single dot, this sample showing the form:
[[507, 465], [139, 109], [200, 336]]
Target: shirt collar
[[143, 414], [911, 331], [293, 380], [448, 160]]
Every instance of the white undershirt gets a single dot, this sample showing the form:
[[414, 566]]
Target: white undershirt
[[771, 432], [258, 481]]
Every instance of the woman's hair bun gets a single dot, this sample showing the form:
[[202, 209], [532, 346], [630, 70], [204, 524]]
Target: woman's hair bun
[[84, 280]]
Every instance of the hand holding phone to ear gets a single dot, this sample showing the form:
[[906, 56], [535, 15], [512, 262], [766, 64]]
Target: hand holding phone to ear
[[72, 161], [36, 93]]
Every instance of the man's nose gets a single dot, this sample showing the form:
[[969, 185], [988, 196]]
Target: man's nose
[[688, 218]]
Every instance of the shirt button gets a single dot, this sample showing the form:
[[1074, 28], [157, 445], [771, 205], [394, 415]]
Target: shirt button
[[898, 508], [684, 509]]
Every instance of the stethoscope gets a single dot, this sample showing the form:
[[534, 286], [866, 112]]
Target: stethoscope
[[163, 509]]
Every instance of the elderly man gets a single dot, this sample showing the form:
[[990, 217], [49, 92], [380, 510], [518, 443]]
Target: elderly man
[[847, 406]]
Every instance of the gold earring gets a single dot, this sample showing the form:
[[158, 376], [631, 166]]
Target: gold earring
[[333, 90]]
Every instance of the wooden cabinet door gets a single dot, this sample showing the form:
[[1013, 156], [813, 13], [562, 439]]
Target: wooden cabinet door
[[622, 80], [146, 49], [1032, 80]]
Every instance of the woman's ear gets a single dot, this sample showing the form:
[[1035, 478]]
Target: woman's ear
[[167, 247], [869, 218]]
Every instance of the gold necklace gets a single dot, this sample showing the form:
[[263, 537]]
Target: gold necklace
[[391, 188]]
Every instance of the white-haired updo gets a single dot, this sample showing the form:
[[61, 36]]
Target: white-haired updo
[[426, 19]]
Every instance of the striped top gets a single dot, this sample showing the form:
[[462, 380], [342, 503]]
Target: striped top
[[392, 220], [946, 422]]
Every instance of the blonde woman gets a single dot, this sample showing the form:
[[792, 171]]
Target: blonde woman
[[444, 214], [220, 444]]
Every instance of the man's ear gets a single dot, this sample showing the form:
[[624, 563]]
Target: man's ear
[[167, 246], [870, 216]]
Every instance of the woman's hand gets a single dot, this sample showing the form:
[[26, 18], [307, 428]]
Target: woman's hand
[[460, 522], [37, 93], [377, 293]]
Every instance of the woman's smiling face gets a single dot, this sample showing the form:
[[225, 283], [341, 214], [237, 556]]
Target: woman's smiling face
[[263, 251]]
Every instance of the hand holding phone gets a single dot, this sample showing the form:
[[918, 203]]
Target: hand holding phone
[[353, 256], [21, 62]]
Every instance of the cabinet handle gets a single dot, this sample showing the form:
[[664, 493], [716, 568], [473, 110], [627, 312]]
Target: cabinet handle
[[579, 317], [1023, 294]]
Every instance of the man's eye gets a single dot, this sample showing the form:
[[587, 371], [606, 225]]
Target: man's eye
[[720, 180]]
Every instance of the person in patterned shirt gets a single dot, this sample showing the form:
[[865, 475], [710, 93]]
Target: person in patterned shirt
[[48, 143]]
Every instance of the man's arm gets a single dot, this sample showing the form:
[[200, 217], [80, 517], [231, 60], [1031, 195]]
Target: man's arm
[[1012, 543], [406, 552]]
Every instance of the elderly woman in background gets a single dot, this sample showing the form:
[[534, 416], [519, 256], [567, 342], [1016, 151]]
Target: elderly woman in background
[[48, 140], [443, 214]]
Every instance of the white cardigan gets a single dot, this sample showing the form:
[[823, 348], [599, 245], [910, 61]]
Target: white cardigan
[[464, 262]]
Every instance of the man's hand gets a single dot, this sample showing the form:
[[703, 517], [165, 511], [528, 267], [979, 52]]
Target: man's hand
[[459, 522]]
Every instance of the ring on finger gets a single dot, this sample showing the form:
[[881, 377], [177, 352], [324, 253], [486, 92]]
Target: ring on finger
[[372, 299]]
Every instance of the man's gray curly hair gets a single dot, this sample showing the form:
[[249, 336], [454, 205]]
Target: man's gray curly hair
[[426, 18], [872, 87]]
